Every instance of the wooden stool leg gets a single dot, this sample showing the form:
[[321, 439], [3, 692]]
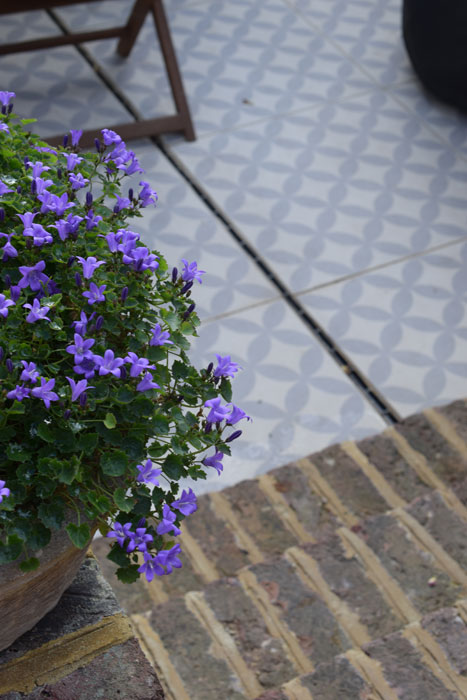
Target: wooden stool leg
[[173, 72], [133, 27]]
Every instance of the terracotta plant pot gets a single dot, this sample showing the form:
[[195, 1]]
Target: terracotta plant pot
[[26, 597]]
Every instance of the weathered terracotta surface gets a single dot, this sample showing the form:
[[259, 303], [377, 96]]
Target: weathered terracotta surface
[[26, 597]]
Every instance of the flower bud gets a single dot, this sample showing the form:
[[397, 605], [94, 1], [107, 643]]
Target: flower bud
[[209, 368], [65, 141], [234, 436], [2, 352], [10, 108], [3, 109], [29, 243], [67, 414], [130, 193], [188, 311], [83, 400], [174, 275], [19, 189], [7, 280], [186, 287], [97, 144], [33, 187], [9, 365], [15, 292], [123, 374], [59, 173], [78, 279], [26, 162], [208, 428], [2, 215], [88, 199], [116, 209], [124, 294], [71, 260], [99, 322]]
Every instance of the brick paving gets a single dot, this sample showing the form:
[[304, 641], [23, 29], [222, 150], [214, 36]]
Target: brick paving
[[339, 577]]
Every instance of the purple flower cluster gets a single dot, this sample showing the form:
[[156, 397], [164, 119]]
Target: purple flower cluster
[[4, 492]]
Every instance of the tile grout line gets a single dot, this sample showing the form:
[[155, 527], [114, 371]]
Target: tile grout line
[[369, 392]]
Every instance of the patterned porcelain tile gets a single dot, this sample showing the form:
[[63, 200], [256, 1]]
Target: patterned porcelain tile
[[450, 124], [405, 326], [368, 30], [298, 406], [56, 86], [181, 226], [240, 61], [336, 190]]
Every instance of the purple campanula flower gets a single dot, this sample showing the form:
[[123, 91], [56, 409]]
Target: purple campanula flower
[[225, 368], [95, 294], [151, 567], [15, 292], [138, 364], [110, 137], [168, 522], [108, 364], [72, 160], [217, 412], [4, 304], [99, 323], [147, 383], [4, 492], [87, 367], [4, 189], [190, 271], [139, 540], [133, 167], [214, 461], [77, 181], [169, 558], [75, 136], [160, 337], [68, 226], [40, 236], [77, 388], [121, 532], [4, 127], [54, 203], [91, 220], [81, 325], [44, 392], [112, 241], [147, 473], [39, 186], [29, 373], [37, 312], [45, 149], [122, 203], [186, 504], [147, 195], [19, 393], [90, 265], [80, 349], [236, 415], [38, 168], [33, 276], [140, 259], [9, 250], [6, 96]]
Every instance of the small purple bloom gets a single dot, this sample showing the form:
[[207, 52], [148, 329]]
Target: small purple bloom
[[169, 558], [38, 234], [122, 203], [95, 293], [37, 168], [72, 160], [4, 492], [90, 265], [77, 388], [54, 203], [139, 540], [4, 127], [133, 167], [15, 292], [108, 364], [147, 473], [29, 373], [37, 312], [75, 136], [44, 392], [160, 337], [68, 226], [4, 189], [87, 367], [33, 276], [110, 137], [91, 220], [39, 186], [19, 393], [77, 181], [186, 504], [140, 259], [9, 251], [217, 412], [236, 415], [214, 461], [80, 349], [190, 271], [121, 532], [151, 567], [147, 195], [138, 364], [81, 325], [147, 383], [225, 368], [6, 96], [168, 522]]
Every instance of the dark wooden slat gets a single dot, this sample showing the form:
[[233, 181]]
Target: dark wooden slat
[[63, 40], [9, 7]]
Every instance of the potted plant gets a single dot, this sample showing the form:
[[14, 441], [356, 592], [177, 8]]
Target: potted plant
[[102, 412]]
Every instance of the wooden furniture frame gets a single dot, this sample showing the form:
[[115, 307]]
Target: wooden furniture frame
[[180, 121]]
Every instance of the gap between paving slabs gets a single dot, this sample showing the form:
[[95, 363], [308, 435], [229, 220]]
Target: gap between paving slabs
[[377, 401]]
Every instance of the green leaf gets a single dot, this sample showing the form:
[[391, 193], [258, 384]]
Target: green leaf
[[156, 353], [117, 555], [124, 395], [68, 471], [51, 514], [16, 453], [161, 423], [45, 432], [125, 504], [100, 503], [39, 537], [110, 421], [180, 370], [87, 442], [29, 564], [134, 448], [173, 466], [11, 550], [79, 534], [114, 463], [226, 389], [128, 574]]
